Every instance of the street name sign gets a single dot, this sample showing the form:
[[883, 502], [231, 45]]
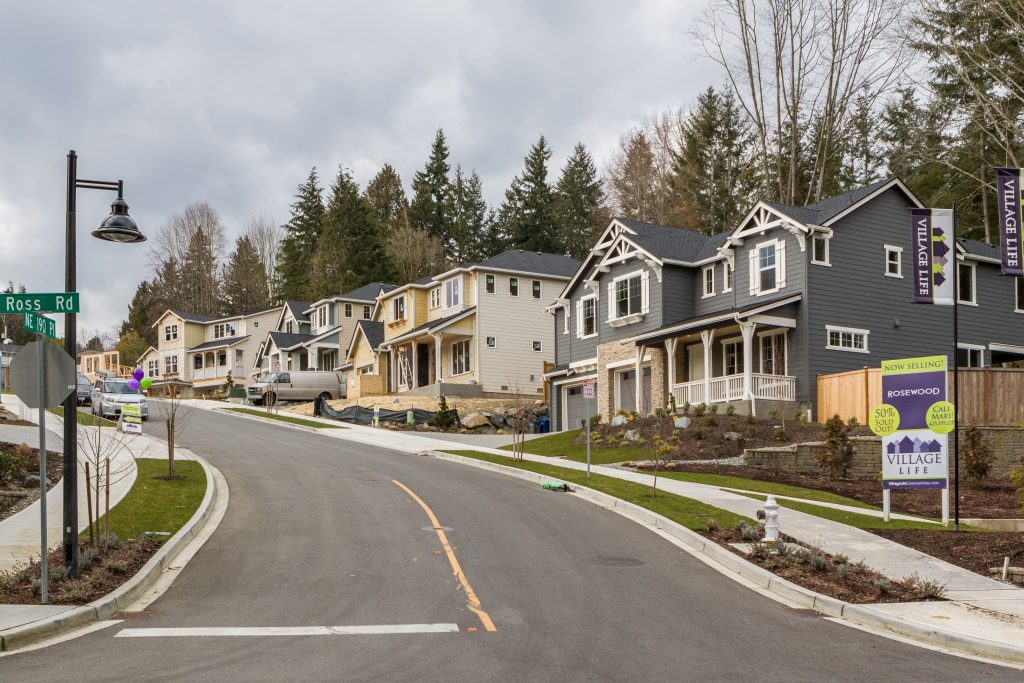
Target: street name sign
[[40, 324], [60, 302]]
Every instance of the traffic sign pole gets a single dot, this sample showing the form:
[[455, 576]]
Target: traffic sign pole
[[44, 574]]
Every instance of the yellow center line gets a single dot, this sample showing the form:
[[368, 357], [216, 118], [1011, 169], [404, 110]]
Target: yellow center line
[[472, 601]]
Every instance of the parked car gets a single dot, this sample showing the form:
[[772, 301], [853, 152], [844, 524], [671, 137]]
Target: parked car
[[109, 394], [302, 385], [84, 390]]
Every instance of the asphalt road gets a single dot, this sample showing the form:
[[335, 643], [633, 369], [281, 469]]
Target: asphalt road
[[317, 534]]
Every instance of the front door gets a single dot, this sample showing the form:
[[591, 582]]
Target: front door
[[695, 365], [422, 365]]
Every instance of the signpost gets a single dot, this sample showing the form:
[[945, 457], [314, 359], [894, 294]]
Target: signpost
[[66, 302], [35, 386], [913, 421], [131, 418], [589, 392]]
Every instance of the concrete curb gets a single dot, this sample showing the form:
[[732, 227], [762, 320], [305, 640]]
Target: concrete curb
[[127, 593], [733, 565], [281, 423]]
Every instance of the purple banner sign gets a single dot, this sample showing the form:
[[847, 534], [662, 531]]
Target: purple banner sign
[[1008, 194], [933, 256]]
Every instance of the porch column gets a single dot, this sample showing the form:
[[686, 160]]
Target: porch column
[[639, 389], [670, 349], [707, 337], [747, 330], [438, 369], [392, 379], [415, 379]]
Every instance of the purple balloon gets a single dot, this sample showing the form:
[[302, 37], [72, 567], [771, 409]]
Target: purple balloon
[[133, 384], [138, 374]]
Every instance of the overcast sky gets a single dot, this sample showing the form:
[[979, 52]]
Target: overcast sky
[[233, 102]]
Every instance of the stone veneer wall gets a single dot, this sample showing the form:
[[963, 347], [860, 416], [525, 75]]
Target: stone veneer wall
[[1007, 443], [614, 351]]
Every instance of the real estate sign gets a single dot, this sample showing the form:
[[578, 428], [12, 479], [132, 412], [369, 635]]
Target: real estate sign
[[913, 421], [131, 418]]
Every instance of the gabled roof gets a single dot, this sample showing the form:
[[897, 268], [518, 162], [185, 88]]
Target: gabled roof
[[218, 343], [535, 262], [297, 309], [981, 249], [819, 213], [187, 317], [674, 244], [367, 293], [286, 341], [372, 331]]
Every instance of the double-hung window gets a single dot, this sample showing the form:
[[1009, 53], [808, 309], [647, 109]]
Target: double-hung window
[[733, 361], [893, 261], [451, 293], [773, 353], [513, 286], [435, 297], [366, 310], [348, 310], [726, 277], [587, 317], [708, 275], [170, 332], [489, 283], [398, 308], [966, 291], [628, 296], [170, 365], [321, 317], [536, 289], [460, 357], [846, 339], [153, 368], [767, 267]]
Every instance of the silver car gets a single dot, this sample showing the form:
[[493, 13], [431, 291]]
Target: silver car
[[109, 394]]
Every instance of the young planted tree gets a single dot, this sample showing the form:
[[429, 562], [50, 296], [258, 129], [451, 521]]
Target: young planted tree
[[177, 412], [105, 459]]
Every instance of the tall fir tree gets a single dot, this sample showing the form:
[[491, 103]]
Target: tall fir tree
[[302, 234], [430, 208], [387, 199], [142, 313], [527, 215], [579, 208], [245, 285], [200, 276], [469, 218]]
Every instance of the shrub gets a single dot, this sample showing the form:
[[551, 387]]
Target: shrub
[[112, 541], [747, 532], [87, 556], [686, 408], [784, 549], [115, 566], [699, 410], [844, 571], [883, 586], [841, 559], [802, 555], [1017, 477], [730, 409], [976, 455], [752, 431], [852, 422], [58, 572], [819, 562], [712, 525], [780, 434], [11, 463], [713, 409], [712, 421], [444, 418], [836, 457], [760, 551], [927, 589], [774, 413], [697, 434]]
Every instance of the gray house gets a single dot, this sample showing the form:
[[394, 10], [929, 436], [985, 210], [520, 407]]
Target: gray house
[[751, 317]]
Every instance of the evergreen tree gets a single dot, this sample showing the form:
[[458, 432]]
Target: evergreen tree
[[469, 218], [142, 313], [579, 203], [130, 347], [864, 162], [430, 208], [302, 234], [199, 275], [245, 285], [527, 215], [387, 199]]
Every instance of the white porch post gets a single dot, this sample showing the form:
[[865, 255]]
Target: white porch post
[[670, 349], [707, 337], [747, 330], [639, 389], [438, 368], [414, 380], [393, 371]]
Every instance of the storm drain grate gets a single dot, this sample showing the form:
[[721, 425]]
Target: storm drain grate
[[602, 561]]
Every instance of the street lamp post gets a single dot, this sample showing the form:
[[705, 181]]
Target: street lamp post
[[117, 227]]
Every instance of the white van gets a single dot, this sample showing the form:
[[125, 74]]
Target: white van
[[302, 385]]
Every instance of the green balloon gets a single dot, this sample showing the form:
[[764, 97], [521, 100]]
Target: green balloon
[[146, 382]]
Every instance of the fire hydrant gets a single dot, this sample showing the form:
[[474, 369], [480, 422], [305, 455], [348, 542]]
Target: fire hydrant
[[771, 520]]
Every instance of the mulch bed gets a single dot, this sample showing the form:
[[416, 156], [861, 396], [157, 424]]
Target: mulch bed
[[12, 482], [975, 551], [705, 437], [993, 499], [833, 575], [105, 572], [9, 418]]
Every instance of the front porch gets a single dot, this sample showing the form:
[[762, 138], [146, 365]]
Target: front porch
[[433, 363]]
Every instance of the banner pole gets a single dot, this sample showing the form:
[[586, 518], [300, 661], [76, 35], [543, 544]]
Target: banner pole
[[956, 380]]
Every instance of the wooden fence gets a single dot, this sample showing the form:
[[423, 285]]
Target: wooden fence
[[988, 396]]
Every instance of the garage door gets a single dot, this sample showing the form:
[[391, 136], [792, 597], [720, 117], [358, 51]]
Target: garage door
[[575, 407], [627, 390]]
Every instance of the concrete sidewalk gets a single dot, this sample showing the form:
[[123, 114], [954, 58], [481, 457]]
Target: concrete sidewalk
[[978, 607]]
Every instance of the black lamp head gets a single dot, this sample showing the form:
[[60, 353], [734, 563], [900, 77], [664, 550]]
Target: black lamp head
[[119, 226]]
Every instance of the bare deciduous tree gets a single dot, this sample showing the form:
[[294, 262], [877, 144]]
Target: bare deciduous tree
[[266, 235], [414, 252], [177, 412]]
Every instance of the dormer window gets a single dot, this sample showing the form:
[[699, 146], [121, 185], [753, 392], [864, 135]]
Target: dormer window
[[288, 327], [767, 267], [170, 332], [451, 293]]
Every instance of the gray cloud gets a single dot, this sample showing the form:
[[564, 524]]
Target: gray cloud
[[233, 102]]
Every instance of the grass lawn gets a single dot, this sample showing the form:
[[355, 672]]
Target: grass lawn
[[560, 444], [730, 481], [686, 511], [866, 522], [285, 418], [155, 504], [86, 418]]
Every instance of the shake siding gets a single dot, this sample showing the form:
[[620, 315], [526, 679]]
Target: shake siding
[[651, 321], [515, 323]]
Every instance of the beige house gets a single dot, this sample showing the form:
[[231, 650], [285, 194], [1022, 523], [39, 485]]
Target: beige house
[[93, 364]]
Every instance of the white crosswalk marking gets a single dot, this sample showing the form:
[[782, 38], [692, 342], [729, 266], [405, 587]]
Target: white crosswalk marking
[[205, 632]]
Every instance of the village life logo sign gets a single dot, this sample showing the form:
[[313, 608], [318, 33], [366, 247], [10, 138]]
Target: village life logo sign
[[913, 421]]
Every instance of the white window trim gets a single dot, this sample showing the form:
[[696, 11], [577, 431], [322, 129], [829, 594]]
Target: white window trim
[[851, 330], [455, 285], [828, 250], [435, 298], [537, 346], [394, 308], [889, 248], [729, 342], [540, 289], [777, 331], [348, 310], [973, 347], [469, 364], [510, 286], [727, 276], [579, 317], [645, 299], [974, 284], [705, 294], [780, 267]]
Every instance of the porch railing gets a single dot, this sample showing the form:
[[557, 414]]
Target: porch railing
[[730, 388]]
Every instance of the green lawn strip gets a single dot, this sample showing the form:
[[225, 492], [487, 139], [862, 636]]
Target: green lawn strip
[[285, 418], [560, 444], [758, 485], [86, 419], [686, 511], [155, 504], [853, 519]]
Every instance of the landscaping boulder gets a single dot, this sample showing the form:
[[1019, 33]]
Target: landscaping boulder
[[495, 419], [732, 436], [32, 481], [619, 420], [682, 422], [632, 435], [475, 420]]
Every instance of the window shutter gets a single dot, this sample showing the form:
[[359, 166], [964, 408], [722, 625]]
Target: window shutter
[[611, 300], [780, 260], [645, 292], [753, 271]]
